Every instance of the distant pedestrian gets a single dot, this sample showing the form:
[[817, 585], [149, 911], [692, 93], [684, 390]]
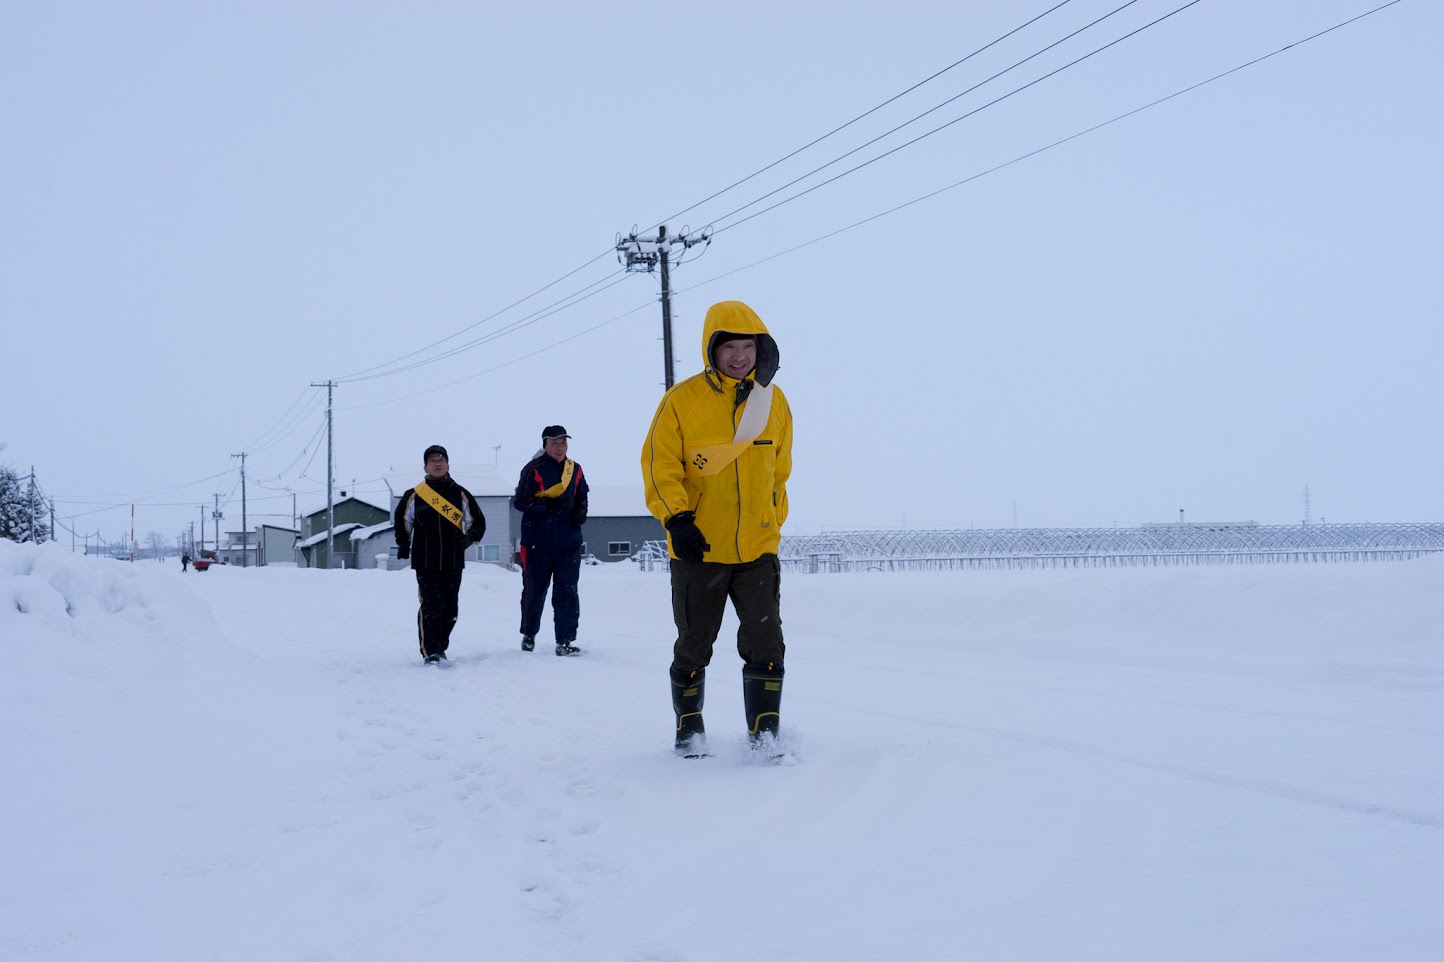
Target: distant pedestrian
[[551, 495], [185, 561], [715, 466], [435, 523]]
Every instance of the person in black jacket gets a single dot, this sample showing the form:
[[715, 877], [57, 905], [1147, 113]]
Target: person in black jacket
[[551, 495], [435, 523]]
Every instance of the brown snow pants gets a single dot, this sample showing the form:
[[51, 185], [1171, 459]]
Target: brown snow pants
[[700, 592]]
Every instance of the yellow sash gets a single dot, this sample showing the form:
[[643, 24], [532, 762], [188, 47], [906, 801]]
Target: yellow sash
[[560, 488], [443, 507], [705, 460]]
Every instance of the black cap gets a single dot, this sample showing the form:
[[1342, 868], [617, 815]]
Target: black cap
[[553, 431], [434, 449]]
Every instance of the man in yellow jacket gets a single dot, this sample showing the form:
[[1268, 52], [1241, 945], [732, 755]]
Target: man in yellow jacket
[[715, 467]]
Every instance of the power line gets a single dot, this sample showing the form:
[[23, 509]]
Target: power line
[[1057, 143], [515, 360], [142, 495], [864, 114], [299, 398], [899, 207], [936, 107], [306, 410], [977, 110], [315, 437], [570, 300], [359, 375], [390, 367]]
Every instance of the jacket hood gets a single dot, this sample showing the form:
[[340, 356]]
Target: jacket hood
[[734, 317]]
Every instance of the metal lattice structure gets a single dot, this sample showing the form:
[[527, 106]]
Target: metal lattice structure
[[1146, 545]]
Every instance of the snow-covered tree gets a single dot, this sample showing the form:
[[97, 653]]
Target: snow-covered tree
[[12, 505], [23, 514]]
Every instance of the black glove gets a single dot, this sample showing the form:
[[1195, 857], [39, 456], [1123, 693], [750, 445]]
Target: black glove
[[403, 552], [687, 541], [555, 504], [579, 517]]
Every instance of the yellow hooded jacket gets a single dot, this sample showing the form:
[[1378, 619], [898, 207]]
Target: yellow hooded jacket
[[739, 510]]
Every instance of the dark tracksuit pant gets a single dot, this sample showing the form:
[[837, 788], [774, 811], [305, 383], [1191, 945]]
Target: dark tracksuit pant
[[699, 598], [437, 615], [557, 568]]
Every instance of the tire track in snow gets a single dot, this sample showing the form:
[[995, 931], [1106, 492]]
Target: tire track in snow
[[1192, 773]]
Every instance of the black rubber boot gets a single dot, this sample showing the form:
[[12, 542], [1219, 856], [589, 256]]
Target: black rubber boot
[[762, 699], [688, 690]]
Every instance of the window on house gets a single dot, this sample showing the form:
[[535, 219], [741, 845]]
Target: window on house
[[491, 552], [619, 548]]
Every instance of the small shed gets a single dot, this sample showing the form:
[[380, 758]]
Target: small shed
[[277, 544], [375, 546]]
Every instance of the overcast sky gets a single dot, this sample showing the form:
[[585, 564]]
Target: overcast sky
[[205, 208]]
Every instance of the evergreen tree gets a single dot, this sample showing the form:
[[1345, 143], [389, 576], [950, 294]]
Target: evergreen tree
[[37, 509], [12, 505], [23, 513]]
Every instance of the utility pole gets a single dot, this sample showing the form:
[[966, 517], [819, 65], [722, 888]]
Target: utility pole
[[245, 531], [216, 516], [1308, 504], [645, 254], [330, 474], [52, 525], [203, 529]]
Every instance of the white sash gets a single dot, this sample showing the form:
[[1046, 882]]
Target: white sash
[[708, 459]]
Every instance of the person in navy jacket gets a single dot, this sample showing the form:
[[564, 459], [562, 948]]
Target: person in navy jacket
[[551, 495]]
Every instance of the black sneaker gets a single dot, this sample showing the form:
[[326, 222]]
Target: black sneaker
[[567, 648], [432, 659], [527, 642]]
